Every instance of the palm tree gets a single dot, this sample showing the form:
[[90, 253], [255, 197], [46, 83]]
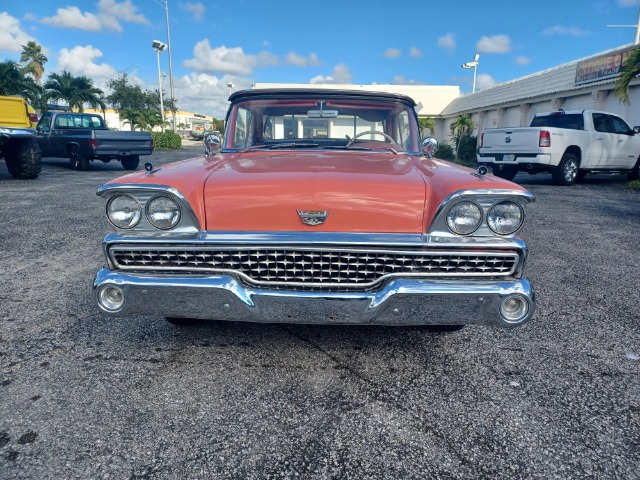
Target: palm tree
[[76, 91], [33, 60], [630, 69], [425, 123], [13, 82], [459, 128]]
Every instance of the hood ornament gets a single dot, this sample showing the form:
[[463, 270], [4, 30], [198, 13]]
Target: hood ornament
[[313, 217]]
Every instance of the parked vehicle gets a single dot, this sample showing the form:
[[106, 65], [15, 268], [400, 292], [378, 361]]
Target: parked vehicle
[[83, 137], [18, 144], [317, 207], [569, 145]]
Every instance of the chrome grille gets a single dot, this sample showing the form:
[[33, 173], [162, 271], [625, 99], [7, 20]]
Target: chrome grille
[[313, 266]]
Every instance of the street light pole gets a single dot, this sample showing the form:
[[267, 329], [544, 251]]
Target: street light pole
[[636, 26], [159, 47], [473, 65], [173, 111]]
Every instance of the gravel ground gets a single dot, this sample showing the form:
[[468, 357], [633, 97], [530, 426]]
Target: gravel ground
[[84, 396]]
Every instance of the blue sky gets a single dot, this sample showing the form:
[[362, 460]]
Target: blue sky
[[336, 41]]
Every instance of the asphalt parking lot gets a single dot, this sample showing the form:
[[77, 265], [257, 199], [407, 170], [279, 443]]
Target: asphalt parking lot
[[84, 396]]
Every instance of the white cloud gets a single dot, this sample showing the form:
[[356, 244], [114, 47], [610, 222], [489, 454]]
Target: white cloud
[[293, 58], [72, 17], [204, 93], [494, 44], [447, 41], [415, 52], [484, 80], [339, 74], [400, 80], [197, 10], [81, 61], [227, 60], [12, 37], [392, 53], [522, 60], [562, 30], [109, 15]]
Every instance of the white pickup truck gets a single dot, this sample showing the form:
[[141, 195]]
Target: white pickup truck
[[569, 145]]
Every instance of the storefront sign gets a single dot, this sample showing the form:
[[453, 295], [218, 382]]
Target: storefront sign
[[602, 67]]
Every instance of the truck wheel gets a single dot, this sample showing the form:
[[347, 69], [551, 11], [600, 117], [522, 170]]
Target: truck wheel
[[24, 160], [130, 162], [567, 172], [505, 171], [78, 162], [634, 173]]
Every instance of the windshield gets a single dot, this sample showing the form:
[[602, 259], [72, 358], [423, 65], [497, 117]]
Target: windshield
[[322, 123]]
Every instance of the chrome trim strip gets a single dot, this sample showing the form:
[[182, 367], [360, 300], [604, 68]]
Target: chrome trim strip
[[397, 240], [400, 302]]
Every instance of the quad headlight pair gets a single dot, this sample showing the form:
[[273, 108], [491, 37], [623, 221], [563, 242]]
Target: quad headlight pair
[[503, 218], [162, 212]]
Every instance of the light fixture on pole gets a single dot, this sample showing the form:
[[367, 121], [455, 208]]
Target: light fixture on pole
[[636, 26], [473, 65], [230, 85], [160, 47]]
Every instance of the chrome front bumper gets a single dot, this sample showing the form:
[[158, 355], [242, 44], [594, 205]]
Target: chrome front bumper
[[399, 302]]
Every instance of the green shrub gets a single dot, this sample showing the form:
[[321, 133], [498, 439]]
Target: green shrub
[[445, 151], [167, 139], [467, 153]]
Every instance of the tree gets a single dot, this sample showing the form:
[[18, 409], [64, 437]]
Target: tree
[[461, 127], [630, 69], [138, 108], [426, 122], [13, 82], [76, 91], [33, 60]]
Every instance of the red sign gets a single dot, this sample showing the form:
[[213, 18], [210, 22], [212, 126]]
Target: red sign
[[599, 68]]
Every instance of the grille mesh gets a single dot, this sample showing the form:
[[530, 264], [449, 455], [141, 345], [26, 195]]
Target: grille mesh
[[322, 267]]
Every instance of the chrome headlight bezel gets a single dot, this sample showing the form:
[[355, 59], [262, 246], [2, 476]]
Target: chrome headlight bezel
[[491, 220], [134, 207], [474, 223], [175, 213]]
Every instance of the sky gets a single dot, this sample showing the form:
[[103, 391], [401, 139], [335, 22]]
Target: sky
[[214, 43]]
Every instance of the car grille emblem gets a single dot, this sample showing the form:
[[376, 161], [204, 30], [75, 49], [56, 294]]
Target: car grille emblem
[[313, 217], [507, 140]]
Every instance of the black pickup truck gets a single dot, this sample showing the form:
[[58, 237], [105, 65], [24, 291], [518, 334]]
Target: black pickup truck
[[83, 137]]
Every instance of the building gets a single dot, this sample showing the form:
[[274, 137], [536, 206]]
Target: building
[[586, 83], [186, 121]]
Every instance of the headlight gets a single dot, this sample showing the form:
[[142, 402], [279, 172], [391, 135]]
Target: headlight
[[464, 218], [163, 212], [505, 218], [124, 211]]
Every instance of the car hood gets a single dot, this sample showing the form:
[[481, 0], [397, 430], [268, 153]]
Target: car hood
[[361, 191]]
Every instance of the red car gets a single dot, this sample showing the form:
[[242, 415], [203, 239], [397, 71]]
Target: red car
[[318, 206]]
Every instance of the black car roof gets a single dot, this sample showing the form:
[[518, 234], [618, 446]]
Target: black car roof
[[315, 92]]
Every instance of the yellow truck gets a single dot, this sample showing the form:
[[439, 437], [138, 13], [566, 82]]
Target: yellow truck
[[18, 145]]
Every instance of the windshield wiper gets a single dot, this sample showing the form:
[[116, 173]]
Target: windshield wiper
[[293, 145], [344, 147]]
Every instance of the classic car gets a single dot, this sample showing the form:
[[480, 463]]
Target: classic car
[[318, 206]]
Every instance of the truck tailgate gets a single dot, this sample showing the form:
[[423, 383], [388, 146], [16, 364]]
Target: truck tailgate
[[511, 140], [109, 142]]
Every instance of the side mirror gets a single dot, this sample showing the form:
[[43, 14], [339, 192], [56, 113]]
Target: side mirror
[[636, 129], [212, 144], [429, 146]]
